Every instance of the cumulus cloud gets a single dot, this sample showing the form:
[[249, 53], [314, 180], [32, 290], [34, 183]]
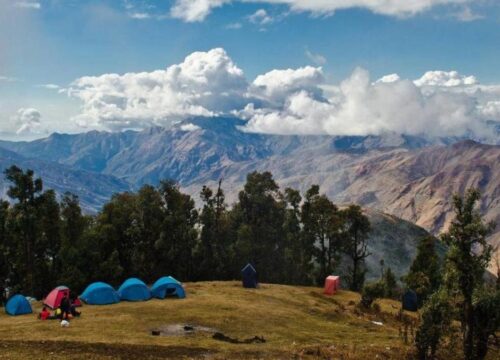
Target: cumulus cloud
[[389, 78], [288, 101], [28, 121], [445, 78], [198, 10], [260, 17], [276, 85], [195, 10], [204, 84], [362, 107]]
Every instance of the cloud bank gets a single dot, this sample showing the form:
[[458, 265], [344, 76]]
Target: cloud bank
[[288, 101], [198, 10]]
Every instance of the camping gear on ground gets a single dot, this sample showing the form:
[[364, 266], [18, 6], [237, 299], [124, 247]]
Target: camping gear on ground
[[53, 300], [100, 293], [410, 301], [134, 289], [249, 276], [76, 302], [64, 323], [18, 305], [332, 285], [167, 286]]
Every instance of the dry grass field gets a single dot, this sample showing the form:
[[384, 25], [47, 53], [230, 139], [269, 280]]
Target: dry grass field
[[296, 322]]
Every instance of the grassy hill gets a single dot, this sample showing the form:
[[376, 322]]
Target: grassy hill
[[296, 322]]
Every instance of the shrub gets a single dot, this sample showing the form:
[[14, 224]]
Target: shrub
[[371, 292]]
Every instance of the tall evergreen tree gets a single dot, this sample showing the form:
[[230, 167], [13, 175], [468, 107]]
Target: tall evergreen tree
[[322, 228], [357, 227], [467, 259], [424, 276], [259, 216], [4, 257]]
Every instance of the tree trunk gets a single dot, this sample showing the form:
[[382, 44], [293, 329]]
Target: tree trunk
[[468, 329]]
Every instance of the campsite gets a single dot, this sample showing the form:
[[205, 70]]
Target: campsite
[[294, 321]]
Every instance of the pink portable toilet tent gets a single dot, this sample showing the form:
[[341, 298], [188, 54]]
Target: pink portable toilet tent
[[332, 285]]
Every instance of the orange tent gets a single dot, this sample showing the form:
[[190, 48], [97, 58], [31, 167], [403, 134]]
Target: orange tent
[[332, 285]]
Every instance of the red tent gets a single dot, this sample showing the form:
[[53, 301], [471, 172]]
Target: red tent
[[53, 300], [332, 285]]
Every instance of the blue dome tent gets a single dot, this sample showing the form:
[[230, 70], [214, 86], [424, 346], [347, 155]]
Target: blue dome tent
[[100, 293], [18, 305], [134, 289], [167, 286], [249, 276]]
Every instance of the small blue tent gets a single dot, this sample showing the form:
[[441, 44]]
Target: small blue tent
[[18, 305], [167, 286], [134, 289], [249, 276], [410, 301], [100, 293]]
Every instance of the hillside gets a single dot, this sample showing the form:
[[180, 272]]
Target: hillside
[[295, 322]]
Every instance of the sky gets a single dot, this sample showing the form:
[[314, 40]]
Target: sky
[[341, 67]]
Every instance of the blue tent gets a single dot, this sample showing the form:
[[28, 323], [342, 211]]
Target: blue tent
[[134, 289], [167, 286], [410, 301], [249, 276], [18, 305], [100, 293]]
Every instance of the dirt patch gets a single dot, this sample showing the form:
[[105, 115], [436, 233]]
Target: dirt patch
[[181, 330], [255, 340], [81, 350]]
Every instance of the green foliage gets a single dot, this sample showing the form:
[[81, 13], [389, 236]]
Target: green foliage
[[372, 292], [466, 261], [390, 284], [424, 276], [356, 229], [435, 321], [486, 305]]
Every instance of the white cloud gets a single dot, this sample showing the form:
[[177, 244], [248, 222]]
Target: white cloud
[[205, 84], [360, 107], [49, 86], [28, 5], [276, 85], [445, 78], [194, 10], [139, 15], [288, 101], [234, 26], [27, 121], [189, 127], [467, 15], [389, 78], [260, 17], [8, 79], [317, 59], [198, 10]]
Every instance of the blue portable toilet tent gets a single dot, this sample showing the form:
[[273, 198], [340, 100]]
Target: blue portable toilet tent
[[134, 289], [410, 301], [18, 305], [167, 286], [249, 276], [100, 293]]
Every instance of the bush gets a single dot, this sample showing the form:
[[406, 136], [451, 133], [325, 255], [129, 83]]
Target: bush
[[371, 292]]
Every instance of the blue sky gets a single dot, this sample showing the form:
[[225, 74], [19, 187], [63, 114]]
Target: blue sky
[[57, 42]]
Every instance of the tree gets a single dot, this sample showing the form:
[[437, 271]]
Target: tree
[[178, 235], [357, 227], [23, 223], [258, 219], [390, 284], [322, 228], [435, 322], [424, 276], [486, 305], [4, 261], [467, 259]]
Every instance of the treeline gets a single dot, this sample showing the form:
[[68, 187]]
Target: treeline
[[158, 230]]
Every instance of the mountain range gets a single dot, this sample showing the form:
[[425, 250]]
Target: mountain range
[[408, 177]]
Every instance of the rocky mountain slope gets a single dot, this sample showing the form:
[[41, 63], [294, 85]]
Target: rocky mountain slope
[[409, 177]]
